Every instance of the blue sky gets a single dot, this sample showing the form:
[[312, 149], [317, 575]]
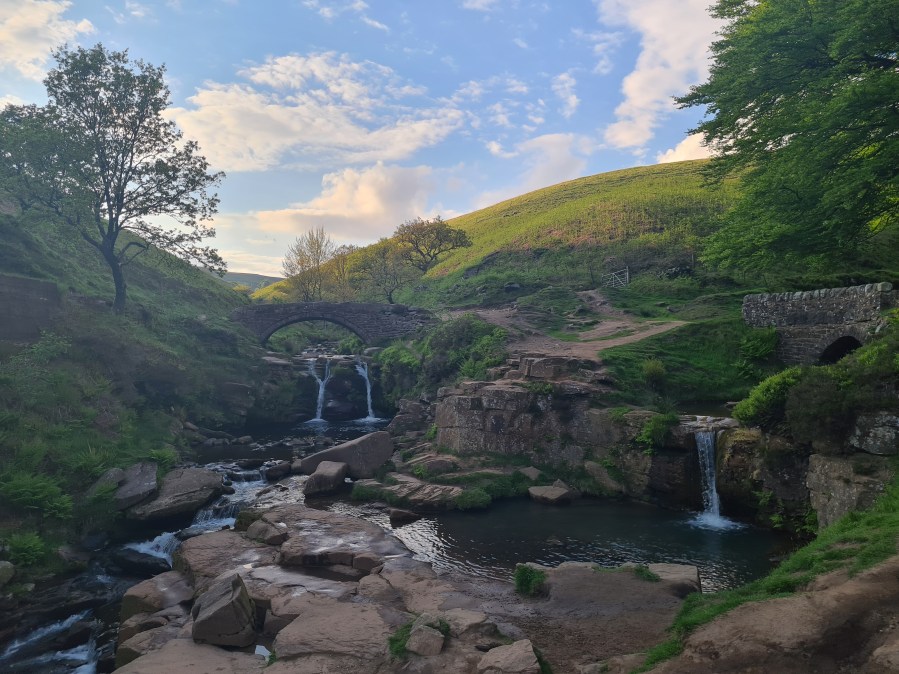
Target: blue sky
[[356, 116]]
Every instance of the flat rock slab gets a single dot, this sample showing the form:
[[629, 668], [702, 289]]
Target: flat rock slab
[[204, 558], [363, 455], [183, 655], [183, 491], [134, 484], [328, 477], [550, 495], [325, 626], [162, 591]]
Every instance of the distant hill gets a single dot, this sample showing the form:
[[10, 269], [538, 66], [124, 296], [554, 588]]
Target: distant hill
[[254, 281]]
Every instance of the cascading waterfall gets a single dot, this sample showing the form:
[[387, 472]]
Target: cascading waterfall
[[362, 369], [711, 517], [322, 383]]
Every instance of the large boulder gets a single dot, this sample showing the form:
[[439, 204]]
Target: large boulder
[[224, 615], [137, 563], [205, 558], [134, 484], [183, 491], [183, 655], [876, 434], [162, 591], [328, 477], [838, 485], [7, 571], [363, 456], [516, 658]]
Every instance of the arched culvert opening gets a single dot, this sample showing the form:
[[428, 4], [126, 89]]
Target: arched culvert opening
[[838, 349], [320, 336]]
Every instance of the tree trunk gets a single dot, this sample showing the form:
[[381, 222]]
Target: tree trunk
[[118, 278]]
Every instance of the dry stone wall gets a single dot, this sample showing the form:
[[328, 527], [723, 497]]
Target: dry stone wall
[[811, 321]]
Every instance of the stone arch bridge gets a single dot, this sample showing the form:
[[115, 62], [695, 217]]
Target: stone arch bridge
[[821, 326], [370, 322]]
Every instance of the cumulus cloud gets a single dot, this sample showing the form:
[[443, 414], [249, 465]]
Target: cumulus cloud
[[548, 159], [675, 39], [320, 110], [563, 87], [690, 147], [31, 29], [358, 205]]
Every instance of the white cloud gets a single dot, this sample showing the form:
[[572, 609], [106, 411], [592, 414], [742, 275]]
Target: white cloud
[[374, 24], [252, 263], [514, 86], [603, 44], [10, 99], [334, 9], [675, 39], [520, 43], [358, 205], [690, 147], [30, 30], [480, 5], [499, 115], [547, 160], [563, 87], [320, 110]]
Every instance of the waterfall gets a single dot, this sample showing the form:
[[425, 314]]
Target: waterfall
[[322, 383], [362, 369], [705, 444], [711, 517]]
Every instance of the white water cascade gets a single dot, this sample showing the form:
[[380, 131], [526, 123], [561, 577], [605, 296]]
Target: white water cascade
[[711, 517], [322, 383], [362, 369]]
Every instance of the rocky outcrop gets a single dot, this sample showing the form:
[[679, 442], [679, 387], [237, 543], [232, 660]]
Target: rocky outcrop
[[7, 571], [183, 491], [876, 434], [134, 484], [160, 592], [224, 615], [839, 624], [516, 658], [183, 655], [363, 455], [205, 558], [838, 485], [327, 478]]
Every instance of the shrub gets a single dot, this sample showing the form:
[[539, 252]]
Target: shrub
[[398, 640], [472, 499], [765, 405], [27, 549], [165, 458], [655, 430], [643, 572], [36, 492], [528, 580], [654, 373]]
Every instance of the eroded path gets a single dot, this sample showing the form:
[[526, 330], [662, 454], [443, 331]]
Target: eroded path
[[614, 328]]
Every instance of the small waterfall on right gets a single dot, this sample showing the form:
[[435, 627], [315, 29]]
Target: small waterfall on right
[[362, 369], [711, 517]]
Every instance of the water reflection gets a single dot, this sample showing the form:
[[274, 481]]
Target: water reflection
[[490, 543]]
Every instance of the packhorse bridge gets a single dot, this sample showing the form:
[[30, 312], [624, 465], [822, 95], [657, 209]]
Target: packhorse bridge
[[821, 326], [370, 322]]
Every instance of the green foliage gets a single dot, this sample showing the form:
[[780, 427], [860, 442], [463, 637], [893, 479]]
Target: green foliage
[[397, 641], [758, 343], [35, 493], [528, 580], [473, 499], [654, 373], [643, 572], [422, 242], [541, 388], [165, 458], [765, 406], [27, 549], [362, 492], [801, 103], [431, 433], [655, 431]]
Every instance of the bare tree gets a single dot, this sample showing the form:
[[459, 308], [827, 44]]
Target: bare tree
[[304, 263]]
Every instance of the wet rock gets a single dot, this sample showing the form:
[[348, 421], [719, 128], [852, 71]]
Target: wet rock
[[363, 455], [398, 516], [425, 640], [250, 464], [224, 615], [207, 557], [276, 472], [7, 571], [165, 590], [143, 643], [551, 495], [183, 491], [516, 658], [328, 477], [140, 564]]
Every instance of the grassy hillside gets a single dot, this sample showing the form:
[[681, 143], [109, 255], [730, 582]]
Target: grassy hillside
[[99, 390]]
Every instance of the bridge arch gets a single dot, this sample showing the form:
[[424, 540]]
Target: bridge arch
[[837, 349], [370, 322]]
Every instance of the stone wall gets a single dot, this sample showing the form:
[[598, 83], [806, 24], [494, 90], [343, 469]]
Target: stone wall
[[371, 322], [809, 322], [27, 306]]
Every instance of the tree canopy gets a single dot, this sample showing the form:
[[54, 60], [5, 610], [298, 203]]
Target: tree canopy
[[802, 106], [103, 158], [422, 242], [304, 263]]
